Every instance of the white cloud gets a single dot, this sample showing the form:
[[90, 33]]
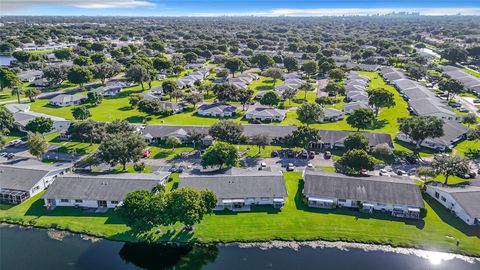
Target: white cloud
[[347, 11], [17, 6]]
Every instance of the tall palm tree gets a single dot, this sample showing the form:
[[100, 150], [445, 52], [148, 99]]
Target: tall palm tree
[[31, 93], [17, 90]]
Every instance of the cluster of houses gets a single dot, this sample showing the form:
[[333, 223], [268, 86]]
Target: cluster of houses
[[423, 101], [237, 189], [356, 92], [329, 138], [243, 80], [291, 82], [192, 77]]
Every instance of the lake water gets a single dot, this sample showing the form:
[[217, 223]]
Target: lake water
[[24, 248], [5, 60]]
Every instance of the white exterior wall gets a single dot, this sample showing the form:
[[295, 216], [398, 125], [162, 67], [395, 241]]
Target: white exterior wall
[[44, 183], [263, 117], [450, 203], [83, 204], [248, 202]]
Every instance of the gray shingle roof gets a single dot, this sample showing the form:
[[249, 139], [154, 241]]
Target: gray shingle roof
[[18, 178], [467, 196], [112, 187], [238, 183], [373, 189]]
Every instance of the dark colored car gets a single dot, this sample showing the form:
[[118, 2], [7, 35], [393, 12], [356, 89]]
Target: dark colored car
[[290, 153], [311, 155], [274, 153], [327, 155], [411, 159], [10, 156], [173, 168]]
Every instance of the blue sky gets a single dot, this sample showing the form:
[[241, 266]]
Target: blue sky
[[234, 7]]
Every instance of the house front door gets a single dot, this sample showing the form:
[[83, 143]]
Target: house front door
[[102, 204]]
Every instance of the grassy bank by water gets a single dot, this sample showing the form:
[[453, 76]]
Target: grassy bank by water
[[439, 230]]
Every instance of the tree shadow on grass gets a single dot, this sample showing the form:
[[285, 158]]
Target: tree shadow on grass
[[135, 119], [125, 108], [302, 206], [377, 124], [451, 219], [254, 209], [37, 209]]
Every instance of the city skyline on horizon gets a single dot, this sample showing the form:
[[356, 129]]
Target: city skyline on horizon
[[269, 8]]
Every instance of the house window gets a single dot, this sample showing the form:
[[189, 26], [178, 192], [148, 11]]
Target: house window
[[78, 201], [437, 195], [114, 202], [342, 200], [65, 200], [444, 199]]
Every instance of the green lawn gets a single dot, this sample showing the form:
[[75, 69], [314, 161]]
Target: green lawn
[[465, 146], [473, 72], [439, 230], [162, 151]]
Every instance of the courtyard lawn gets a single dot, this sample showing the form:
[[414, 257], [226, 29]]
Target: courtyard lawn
[[439, 230], [163, 151], [466, 146], [129, 169], [452, 179], [251, 151]]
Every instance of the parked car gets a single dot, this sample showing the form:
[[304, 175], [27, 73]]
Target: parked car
[[327, 154], [411, 159], [180, 168], [311, 155], [3, 154], [401, 172], [290, 167], [10, 156], [274, 153], [476, 101], [14, 143], [173, 168], [310, 165], [263, 165], [463, 109], [454, 104], [290, 153], [303, 154], [384, 172]]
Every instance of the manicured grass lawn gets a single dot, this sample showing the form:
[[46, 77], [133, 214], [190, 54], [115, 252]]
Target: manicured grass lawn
[[452, 179], [474, 73], [465, 146], [162, 151], [439, 230], [130, 169]]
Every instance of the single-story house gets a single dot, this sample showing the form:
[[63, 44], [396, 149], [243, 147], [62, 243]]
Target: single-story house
[[399, 197], [453, 133], [159, 133], [217, 110], [19, 182], [462, 200], [265, 114], [30, 75], [433, 107], [42, 82], [336, 138], [331, 115], [352, 106], [64, 100], [169, 105], [108, 91], [239, 189], [22, 118], [99, 190]]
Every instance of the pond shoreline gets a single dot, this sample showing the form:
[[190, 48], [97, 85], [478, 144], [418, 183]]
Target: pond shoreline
[[59, 234]]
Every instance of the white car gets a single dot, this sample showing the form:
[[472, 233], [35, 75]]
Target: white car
[[384, 172], [263, 164], [290, 167], [310, 165]]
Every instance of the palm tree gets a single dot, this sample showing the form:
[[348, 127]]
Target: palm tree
[[17, 90], [31, 93]]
